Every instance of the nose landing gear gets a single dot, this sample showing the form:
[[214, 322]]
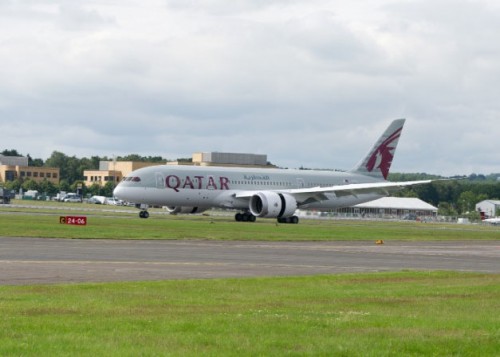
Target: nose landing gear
[[144, 210]]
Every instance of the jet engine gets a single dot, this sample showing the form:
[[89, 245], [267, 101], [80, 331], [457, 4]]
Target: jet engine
[[272, 205], [185, 209]]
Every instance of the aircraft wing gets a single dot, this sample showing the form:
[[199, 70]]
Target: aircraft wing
[[315, 194]]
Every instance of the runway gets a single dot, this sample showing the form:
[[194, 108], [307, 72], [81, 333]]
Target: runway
[[47, 261]]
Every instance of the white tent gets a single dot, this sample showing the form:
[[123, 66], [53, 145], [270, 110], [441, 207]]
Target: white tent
[[399, 203], [390, 207], [386, 207]]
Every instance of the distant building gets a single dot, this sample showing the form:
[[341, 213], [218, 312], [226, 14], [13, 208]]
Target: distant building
[[16, 167], [489, 207], [112, 171], [390, 207], [398, 206], [13, 160], [225, 159]]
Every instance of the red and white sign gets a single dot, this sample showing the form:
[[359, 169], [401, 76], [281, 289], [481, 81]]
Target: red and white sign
[[74, 220]]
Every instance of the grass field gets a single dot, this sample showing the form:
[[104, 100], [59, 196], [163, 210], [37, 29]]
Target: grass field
[[378, 314], [103, 222], [388, 314]]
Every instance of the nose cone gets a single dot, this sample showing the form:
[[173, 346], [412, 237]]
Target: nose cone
[[118, 192]]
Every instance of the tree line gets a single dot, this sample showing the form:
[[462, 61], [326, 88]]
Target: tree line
[[456, 196], [71, 171]]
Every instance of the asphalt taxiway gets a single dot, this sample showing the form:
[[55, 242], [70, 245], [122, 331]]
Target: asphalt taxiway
[[47, 261]]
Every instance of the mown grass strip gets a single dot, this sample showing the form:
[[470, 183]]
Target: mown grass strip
[[389, 314], [129, 226]]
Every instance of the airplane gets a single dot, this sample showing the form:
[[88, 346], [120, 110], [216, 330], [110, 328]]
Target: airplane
[[490, 220], [265, 192], [493, 221]]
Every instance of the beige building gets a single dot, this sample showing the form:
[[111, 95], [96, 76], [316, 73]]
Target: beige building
[[227, 159], [112, 171], [16, 167]]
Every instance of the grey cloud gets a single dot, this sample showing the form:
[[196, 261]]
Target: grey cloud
[[309, 84], [74, 17]]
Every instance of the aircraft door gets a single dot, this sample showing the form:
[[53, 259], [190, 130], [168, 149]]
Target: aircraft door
[[300, 183], [160, 180]]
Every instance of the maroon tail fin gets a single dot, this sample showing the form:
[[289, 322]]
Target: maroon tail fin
[[377, 162]]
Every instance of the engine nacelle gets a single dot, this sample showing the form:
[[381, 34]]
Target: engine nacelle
[[272, 205], [185, 209]]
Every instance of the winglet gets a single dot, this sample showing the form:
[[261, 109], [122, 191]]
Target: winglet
[[379, 159]]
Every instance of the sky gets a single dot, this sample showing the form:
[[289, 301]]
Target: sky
[[308, 83]]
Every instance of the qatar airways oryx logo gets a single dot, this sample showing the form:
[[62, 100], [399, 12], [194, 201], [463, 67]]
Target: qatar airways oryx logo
[[197, 183], [382, 157]]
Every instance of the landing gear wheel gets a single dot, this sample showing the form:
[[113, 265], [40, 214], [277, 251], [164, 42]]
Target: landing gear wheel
[[244, 217], [144, 214], [289, 220]]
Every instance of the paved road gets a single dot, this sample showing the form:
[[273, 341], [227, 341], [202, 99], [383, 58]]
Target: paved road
[[42, 260]]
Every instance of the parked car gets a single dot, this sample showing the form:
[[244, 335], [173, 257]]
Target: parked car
[[60, 196], [113, 201], [72, 197], [99, 200]]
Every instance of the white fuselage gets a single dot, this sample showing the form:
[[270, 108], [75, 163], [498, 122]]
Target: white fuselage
[[196, 186]]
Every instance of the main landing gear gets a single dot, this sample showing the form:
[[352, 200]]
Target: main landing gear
[[291, 220], [144, 214], [248, 217], [244, 217]]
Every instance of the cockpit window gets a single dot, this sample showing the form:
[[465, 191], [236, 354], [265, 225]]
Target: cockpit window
[[132, 178]]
